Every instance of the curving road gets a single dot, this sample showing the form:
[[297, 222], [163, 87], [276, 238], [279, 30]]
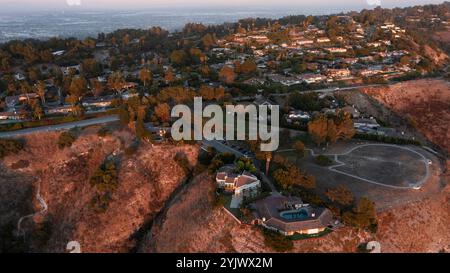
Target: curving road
[[63, 126]]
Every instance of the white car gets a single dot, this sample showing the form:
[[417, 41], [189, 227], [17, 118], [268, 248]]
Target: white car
[[429, 162]]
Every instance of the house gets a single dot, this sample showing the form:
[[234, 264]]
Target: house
[[101, 102], [371, 71], [304, 41], [65, 109], [363, 125], [261, 100], [323, 40], [58, 53], [261, 39], [289, 216], [75, 68], [312, 78], [19, 77], [338, 73], [298, 117], [11, 116], [336, 50], [255, 81], [244, 184]]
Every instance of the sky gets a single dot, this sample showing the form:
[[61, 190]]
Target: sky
[[18, 5]]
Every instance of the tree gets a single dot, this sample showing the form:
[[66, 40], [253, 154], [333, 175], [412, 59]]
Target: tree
[[341, 195], [289, 176], [91, 68], [178, 57], [78, 87], [146, 76], [25, 89], [404, 60], [211, 93], [97, 87], [248, 67], [66, 139], [40, 90], [169, 77], [318, 129], [105, 180], [245, 164], [362, 216], [299, 147], [116, 81], [10, 146], [208, 40], [330, 129], [38, 111], [162, 111], [345, 128], [227, 74]]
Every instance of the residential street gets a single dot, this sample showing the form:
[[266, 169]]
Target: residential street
[[58, 127]]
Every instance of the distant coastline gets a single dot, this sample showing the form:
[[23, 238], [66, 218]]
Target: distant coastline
[[84, 23]]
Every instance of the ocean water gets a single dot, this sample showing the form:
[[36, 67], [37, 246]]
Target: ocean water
[[84, 23]]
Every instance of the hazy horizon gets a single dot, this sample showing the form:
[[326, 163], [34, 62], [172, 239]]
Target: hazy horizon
[[61, 20], [82, 5]]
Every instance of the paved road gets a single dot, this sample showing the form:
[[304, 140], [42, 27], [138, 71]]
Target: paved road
[[58, 127], [330, 90]]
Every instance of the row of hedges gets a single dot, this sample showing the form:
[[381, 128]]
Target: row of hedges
[[387, 139]]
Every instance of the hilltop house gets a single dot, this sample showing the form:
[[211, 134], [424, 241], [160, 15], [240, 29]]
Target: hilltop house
[[245, 184], [289, 215]]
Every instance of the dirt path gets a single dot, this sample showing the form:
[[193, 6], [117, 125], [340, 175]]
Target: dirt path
[[43, 210]]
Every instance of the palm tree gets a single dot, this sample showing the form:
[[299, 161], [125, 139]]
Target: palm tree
[[40, 90], [268, 159]]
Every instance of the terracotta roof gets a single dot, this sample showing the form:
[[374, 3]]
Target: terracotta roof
[[245, 179], [272, 207], [221, 176]]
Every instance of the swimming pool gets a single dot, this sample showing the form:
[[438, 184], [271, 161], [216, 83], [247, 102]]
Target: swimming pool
[[295, 214]]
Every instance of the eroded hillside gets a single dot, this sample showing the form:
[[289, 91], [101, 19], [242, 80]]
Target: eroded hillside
[[425, 103], [147, 177]]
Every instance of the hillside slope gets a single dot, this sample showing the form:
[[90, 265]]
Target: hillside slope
[[147, 178], [425, 103]]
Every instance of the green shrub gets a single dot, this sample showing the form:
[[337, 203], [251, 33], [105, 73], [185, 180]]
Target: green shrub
[[182, 161], [20, 164], [323, 160], [104, 131], [387, 139], [66, 139], [219, 201], [10, 146], [132, 149], [276, 241], [105, 181]]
